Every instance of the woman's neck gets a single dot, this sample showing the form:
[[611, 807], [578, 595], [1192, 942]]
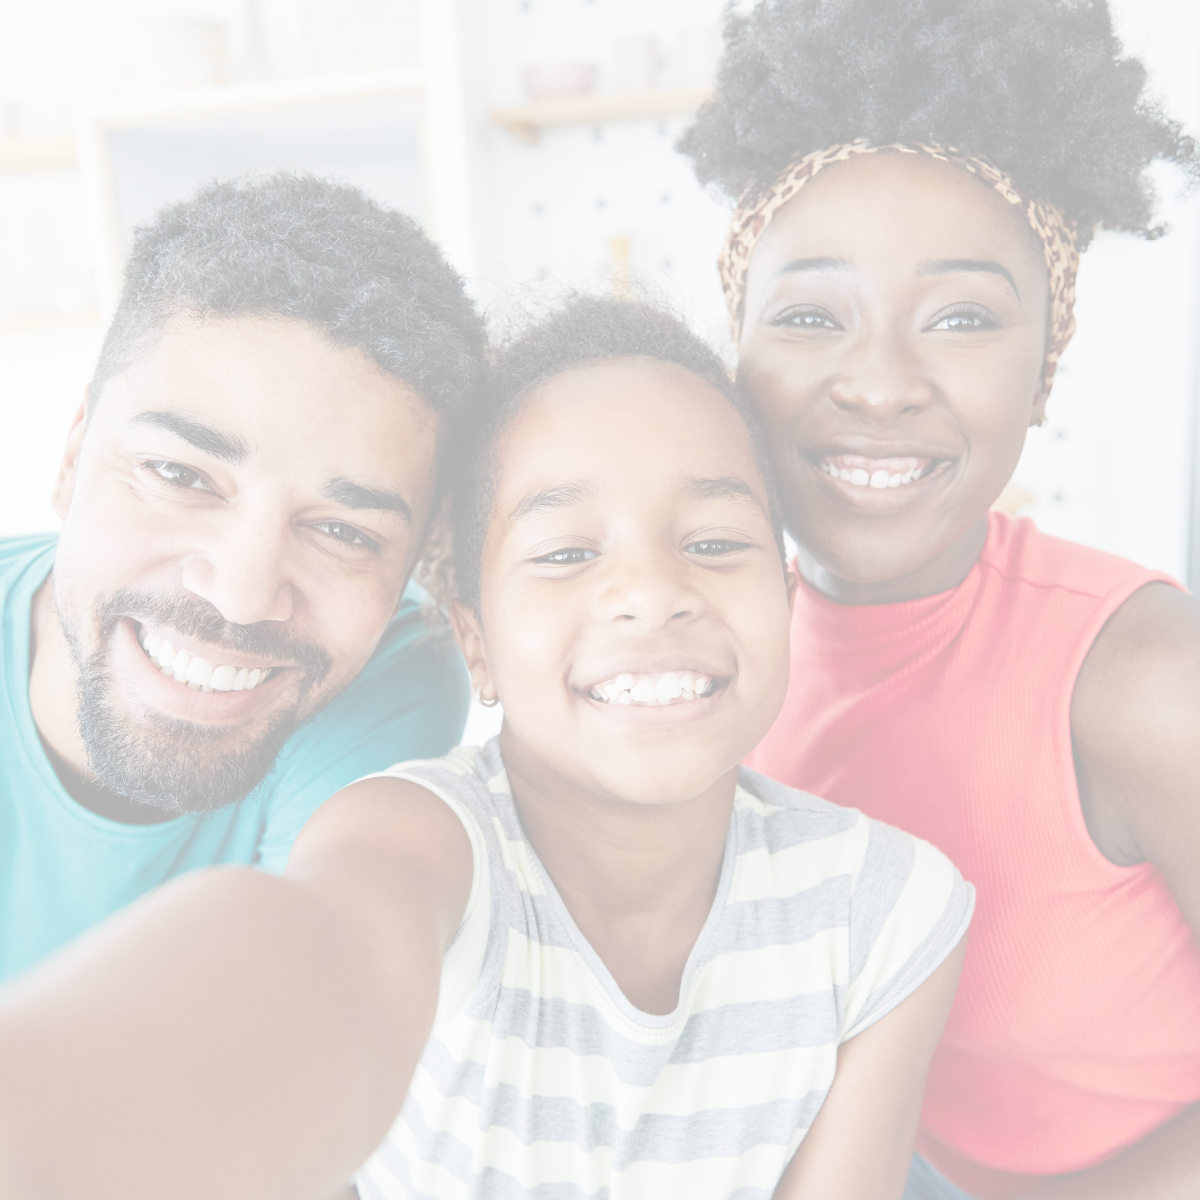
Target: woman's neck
[[944, 571], [638, 880]]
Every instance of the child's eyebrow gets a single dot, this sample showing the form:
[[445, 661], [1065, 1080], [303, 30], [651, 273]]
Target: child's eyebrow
[[724, 487], [560, 495]]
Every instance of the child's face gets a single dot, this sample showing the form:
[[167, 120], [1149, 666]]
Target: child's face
[[630, 537]]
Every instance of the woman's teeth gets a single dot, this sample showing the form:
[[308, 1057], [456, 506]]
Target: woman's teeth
[[198, 673], [895, 474], [669, 687]]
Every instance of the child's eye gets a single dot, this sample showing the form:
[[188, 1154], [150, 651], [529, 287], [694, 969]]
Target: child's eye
[[807, 318], [712, 547], [347, 535], [176, 474], [965, 318], [568, 557]]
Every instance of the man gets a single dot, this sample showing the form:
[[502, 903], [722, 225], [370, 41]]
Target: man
[[221, 636]]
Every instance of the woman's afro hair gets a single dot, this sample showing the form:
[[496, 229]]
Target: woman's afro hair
[[1038, 87]]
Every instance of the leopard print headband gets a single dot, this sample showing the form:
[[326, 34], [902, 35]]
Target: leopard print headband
[[1055, 232]]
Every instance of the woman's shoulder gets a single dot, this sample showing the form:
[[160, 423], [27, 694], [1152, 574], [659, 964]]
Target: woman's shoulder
[[1017, 551]]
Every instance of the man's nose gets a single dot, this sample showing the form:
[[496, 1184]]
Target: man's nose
[[243, 573], [883, 377]]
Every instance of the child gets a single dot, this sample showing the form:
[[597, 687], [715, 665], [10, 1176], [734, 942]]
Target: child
[[593, 958]]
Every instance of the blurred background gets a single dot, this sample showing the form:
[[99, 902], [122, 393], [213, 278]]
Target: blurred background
[[534, 139]]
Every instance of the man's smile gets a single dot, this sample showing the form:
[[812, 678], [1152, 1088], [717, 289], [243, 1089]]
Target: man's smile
[[196, 671]]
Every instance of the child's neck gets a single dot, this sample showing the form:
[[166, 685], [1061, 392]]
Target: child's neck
[[638, 880]]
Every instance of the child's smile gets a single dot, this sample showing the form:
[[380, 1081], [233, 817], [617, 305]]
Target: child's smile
[[633, 600]]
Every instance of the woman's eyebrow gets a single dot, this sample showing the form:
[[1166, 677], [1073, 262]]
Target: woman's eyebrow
[[559, 495], [813, 264], [949, 266]]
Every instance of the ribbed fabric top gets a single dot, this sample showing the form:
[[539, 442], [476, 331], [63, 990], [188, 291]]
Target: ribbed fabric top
[[1076, 1029], [541, 1079]]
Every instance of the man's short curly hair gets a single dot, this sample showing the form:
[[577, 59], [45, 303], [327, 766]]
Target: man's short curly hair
[[584, 331], [1038, 87], [303, 248]]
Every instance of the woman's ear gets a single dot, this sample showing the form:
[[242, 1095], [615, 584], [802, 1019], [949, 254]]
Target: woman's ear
[[64, 486], [469, 635], [793, 586], [1038, 415]]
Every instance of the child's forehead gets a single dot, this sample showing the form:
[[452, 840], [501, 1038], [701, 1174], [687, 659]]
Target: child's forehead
[[629, 405]]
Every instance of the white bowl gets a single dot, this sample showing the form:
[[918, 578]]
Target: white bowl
[[554, 79]]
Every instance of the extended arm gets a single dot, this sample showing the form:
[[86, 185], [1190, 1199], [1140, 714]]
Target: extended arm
[[861, 1143], [237, 1035], [1135, 718]]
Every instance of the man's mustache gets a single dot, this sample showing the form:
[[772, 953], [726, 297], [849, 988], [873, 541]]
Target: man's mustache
[[194, 617]]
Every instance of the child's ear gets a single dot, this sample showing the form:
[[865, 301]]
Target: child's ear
[[469, 635], [793, 586]]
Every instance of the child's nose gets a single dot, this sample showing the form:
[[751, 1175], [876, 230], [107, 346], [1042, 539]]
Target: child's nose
[[651, 589]]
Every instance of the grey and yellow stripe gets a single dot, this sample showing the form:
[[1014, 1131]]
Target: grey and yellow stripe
[[541, 1080]]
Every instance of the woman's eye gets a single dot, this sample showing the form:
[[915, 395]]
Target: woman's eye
[[967, 320], [807, 318], [568, 557], [712, 547], [177, 475], [347, 534]]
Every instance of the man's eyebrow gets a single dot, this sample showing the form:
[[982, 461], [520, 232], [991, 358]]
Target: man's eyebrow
[[948, 266], [814, 264], [226, 446], [561, 495], [366, 495], [723, 487]]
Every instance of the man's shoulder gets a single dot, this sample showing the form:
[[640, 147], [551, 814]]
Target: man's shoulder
[[409, 702], [18, 554]]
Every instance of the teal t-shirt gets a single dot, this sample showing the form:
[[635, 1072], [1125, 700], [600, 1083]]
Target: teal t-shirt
[[62, 867]]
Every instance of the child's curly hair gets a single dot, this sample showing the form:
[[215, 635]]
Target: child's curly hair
[[1038, 87]]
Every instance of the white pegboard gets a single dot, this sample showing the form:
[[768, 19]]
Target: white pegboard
[[555, 207]]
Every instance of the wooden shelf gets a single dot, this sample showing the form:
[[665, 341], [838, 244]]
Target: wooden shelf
[[37, 154], [528, 120], [49, 320]]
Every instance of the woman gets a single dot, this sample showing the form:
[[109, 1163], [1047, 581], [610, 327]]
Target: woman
[[915, 185]]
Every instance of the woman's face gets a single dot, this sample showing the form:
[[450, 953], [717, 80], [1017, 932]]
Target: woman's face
[[634, 605], [894, 335]]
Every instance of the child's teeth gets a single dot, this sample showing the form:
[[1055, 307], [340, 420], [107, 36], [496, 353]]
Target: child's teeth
[[859, 476], [879, 479], [664, 688]]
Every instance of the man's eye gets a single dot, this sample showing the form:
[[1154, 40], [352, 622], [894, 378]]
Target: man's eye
[[568, 557], [807, 318], [177, 475], [347, 534], [712, 547], [965, 320]]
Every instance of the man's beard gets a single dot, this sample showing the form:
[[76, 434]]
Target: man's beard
[[173, 765]]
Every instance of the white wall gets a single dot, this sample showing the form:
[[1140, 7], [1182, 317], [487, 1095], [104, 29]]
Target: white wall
[[1111, 468]]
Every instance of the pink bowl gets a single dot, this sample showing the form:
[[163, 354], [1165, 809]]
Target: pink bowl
[[552, 80]]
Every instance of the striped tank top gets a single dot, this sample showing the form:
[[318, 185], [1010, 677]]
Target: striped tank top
[[540, 1077]]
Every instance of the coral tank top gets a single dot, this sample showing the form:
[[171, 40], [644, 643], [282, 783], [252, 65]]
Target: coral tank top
[[1076, 1029]]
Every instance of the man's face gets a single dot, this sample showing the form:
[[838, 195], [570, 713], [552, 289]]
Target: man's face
[[242, 509]]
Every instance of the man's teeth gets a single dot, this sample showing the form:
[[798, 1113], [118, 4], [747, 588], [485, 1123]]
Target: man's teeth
[[198, 673], [668, 687], [878, 478]]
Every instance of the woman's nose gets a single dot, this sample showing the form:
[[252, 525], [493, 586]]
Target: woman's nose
[[883, 377]]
